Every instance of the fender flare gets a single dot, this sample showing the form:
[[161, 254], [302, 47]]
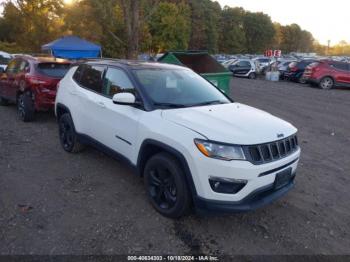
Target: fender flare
[[179, 156]]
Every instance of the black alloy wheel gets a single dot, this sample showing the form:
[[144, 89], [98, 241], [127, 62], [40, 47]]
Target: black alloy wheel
[[166, 185], [162, 187], [68, 136]]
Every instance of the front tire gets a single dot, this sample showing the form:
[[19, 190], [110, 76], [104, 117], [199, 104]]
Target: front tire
[[166, 186], [326, 83], [68, 136], [25, 107], [252, 76]]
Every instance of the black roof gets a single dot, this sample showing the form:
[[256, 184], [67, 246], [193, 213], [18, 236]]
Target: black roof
[[131, 64], [41, 59]]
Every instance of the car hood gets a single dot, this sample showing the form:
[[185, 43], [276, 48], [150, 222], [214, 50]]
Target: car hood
[[231, 123]]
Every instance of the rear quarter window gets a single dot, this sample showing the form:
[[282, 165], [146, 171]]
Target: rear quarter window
[[55, 70], [78, 73], [92, 77], [340, 66]]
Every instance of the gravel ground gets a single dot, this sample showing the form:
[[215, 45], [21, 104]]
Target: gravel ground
[[52, 202]]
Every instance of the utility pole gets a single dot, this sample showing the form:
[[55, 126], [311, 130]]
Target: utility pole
[[328, 46]]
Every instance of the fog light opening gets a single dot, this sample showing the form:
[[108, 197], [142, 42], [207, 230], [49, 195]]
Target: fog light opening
[[226, 185]]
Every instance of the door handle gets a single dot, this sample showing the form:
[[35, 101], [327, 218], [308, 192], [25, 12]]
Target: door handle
[[101, 104]]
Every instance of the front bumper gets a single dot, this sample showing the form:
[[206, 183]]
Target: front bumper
[[255, 200], [312, 80]]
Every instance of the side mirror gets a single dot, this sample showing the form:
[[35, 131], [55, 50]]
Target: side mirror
[[127, 99]]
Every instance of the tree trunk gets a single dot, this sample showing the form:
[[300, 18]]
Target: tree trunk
[[131, 10]]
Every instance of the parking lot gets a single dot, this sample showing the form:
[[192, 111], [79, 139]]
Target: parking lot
[[52, 202]]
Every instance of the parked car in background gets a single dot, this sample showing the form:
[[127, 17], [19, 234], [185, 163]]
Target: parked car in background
[[296, 70], [327, 74], [227, 63], [262, 63], [191, 143], [243, 68], [4, 60], [31, 83], [282, 66]]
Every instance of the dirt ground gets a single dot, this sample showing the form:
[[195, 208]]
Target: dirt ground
[[52, 202]]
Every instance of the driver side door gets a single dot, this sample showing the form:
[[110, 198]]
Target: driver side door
[[121, 122]]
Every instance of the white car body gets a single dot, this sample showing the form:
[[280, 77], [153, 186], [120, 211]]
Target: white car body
[[97, 117], [6, 56]]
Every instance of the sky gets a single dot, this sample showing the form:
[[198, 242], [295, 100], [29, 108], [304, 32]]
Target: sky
[[326, 20]]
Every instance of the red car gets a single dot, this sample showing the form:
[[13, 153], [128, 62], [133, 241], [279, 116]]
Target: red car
[[327, 74], [31, 82]]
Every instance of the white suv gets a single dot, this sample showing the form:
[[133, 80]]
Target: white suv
[[191, 143]]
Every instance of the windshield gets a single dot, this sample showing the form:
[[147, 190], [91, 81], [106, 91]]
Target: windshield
[[56, 70], [178, 88]]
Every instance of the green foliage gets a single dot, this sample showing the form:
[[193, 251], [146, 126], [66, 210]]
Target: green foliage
[[259, 32], [205, 24], [169, 27], [293, 38], [11, 48], [233, 39], [34, 22], [127, 27]]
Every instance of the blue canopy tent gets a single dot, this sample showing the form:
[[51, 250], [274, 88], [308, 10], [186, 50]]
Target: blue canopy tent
[[73, 47]]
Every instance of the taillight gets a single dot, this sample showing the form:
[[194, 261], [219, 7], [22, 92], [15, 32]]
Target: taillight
[[41, 84], [36, 80]]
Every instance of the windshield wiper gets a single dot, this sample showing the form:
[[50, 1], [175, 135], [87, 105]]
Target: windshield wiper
[[170, 105], [215, 102]]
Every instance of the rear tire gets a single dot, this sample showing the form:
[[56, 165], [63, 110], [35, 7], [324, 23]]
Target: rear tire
[[326, 83], [166, 186], [68, 136], [25, 107], [3, 102]]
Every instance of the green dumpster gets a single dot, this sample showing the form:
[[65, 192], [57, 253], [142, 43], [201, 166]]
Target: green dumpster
[[202, 63]]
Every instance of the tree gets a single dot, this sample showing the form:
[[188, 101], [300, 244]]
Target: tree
[[170, 27], [32, 22], [131, 13], [232, 40], [294, 39], [205, 23], [259, 32]]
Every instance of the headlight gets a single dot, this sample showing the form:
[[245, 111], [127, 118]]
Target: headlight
[[220, 151]]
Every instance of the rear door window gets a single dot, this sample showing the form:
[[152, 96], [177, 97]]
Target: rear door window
[[55, 70], [92, 78]]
